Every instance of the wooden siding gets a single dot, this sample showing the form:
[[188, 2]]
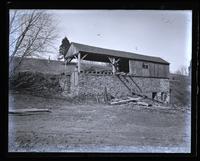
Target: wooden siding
[[153, 70], [72, 50]]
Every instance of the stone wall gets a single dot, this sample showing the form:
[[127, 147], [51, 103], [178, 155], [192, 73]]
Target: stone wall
[[95, 84], [65, 84]]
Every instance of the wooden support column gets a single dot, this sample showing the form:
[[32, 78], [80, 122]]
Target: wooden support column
[[79, 62], [84, 56], [113, 62], [117, 65], [130, 67], [65, 66], [113, 66]]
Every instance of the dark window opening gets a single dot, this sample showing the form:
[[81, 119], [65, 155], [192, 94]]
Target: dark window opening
[[154, 95], [123, 65], [145, 66], [162, 96]]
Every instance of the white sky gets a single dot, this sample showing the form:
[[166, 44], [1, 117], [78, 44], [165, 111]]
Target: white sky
[[166, 34]]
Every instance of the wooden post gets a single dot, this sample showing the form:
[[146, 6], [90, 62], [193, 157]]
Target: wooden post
[[113, 66], [49, 60], [79, 62], [84, 56], [112, 60], [130, 67], [65, 66]]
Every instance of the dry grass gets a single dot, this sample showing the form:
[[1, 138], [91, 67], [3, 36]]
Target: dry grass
[[95, 126]]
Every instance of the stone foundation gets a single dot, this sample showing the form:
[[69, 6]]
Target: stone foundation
[[96, 84]]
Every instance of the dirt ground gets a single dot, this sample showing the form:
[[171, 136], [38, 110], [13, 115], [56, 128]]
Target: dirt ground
[[96, 128]]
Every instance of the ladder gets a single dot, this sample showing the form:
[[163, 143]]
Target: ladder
[[133, 87]]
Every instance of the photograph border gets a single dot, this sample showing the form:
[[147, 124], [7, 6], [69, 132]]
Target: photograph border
[[108, 4]]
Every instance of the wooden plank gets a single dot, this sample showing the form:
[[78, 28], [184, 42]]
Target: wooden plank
[[84, 56], [79, 62], [21, 111], [130, 99], [135, 98], [143, 103]]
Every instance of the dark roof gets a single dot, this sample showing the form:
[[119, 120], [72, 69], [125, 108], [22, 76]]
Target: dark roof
[[117, 53]]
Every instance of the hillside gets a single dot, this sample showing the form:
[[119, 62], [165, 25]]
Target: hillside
[[54, 66], [42, 66], [180, 87]]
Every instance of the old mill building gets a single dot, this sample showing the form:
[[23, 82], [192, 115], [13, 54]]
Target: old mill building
[[89, 70], [121, 73]]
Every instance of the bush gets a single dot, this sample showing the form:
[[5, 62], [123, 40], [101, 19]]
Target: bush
[[43, 84], [180, 92]]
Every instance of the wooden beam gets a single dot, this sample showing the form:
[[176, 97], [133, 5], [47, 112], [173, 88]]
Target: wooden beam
[[112, 60], [68, 60], [117, 65], [117, 60], [79, 62], [84, 56], [27, 111], [71, 59], [121, 101]]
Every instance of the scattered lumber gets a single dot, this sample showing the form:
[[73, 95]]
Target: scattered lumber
[[31, 110], [130, 99], [135, 98], [121, 101], [143, 103]]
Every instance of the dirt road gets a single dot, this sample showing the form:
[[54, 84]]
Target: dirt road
[[96, 128]]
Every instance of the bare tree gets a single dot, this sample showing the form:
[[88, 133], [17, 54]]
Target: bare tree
[[180, 88], [31, 33], [182, 71]]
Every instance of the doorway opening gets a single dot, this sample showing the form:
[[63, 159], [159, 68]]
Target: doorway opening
[[154, 95], [123, 65]]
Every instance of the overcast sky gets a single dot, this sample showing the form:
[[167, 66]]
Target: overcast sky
[[166, 34]]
